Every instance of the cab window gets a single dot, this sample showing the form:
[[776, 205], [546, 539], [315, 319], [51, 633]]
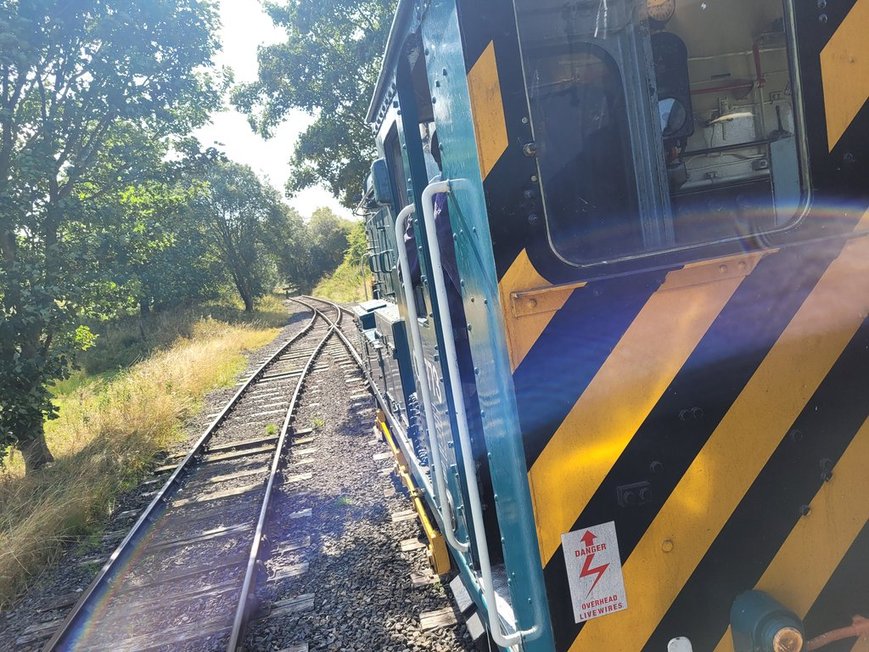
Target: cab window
[[711, 157]]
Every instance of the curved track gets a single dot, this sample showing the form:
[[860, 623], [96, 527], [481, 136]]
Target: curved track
[[185, 575]]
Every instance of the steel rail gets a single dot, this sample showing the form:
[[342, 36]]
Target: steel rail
[[85, 605], [248, 590], [394, 426]]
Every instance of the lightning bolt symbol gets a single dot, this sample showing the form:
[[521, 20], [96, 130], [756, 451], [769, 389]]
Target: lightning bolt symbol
[[588, 539], [587, 571]]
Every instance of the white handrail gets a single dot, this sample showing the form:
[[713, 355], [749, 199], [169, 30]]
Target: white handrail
[[500, 638], [419, 359]]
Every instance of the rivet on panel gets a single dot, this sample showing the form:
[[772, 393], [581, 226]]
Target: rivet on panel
[[667, 545]]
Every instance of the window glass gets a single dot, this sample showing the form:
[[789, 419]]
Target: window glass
[[711, 157], [392, 147], [584, 152]]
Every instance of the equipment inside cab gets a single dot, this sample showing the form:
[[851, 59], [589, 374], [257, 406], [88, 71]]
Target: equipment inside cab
[[709, 156]]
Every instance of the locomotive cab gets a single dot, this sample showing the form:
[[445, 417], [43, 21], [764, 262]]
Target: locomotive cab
[[627, 243]]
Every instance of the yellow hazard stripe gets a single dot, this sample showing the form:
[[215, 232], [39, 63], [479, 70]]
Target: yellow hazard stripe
[[845, 72], [626, 388], [523, 332], [487, 108], [816, 546], [736, 453], [862, 645]]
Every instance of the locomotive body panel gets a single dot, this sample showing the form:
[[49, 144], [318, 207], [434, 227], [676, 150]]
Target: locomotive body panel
[[702, 383]]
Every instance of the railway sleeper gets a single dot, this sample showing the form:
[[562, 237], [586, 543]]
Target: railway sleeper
[[208, 535], [171, 636], [218, 495], [171, 577]]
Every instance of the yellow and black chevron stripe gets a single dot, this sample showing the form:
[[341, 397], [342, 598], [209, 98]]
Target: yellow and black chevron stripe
[[733, 397], [736, 386], [834, 70], [845, 71]]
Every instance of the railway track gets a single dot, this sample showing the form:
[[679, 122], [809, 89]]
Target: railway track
[[185, 575]]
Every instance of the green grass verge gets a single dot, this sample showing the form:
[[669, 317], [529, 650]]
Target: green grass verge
[[137, 388]]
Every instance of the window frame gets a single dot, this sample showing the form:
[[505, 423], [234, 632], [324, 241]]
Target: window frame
[[701, 249]]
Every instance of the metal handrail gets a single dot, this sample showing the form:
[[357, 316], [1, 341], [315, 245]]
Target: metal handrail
[[493, 614], [419, 360]]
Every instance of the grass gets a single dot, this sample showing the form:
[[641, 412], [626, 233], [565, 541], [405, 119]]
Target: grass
[[317, 423], [346, 285], [113, 419]]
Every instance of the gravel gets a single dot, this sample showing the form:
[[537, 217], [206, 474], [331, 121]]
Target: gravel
[[363, 595]]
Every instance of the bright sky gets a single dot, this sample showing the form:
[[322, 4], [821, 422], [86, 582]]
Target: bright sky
[[244, 27]]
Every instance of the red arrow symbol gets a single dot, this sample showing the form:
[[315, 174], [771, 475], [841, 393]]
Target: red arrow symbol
[[587, 570]]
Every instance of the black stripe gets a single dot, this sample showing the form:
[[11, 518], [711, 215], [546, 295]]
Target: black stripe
[[771, 508], [846, 594], [492, 21], [571, 351], [694, 404], [832, 172]]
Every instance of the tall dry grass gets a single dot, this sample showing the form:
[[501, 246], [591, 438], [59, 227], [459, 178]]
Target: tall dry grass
[[107, 433], [347, 284]]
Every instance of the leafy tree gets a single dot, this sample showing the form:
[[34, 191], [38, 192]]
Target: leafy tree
[[287, 241], [148, 243], [238, 210], [77, 81], [328, 67], [328, 239]]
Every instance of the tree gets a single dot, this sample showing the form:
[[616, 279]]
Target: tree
[[287, 241], [328, 66], [238, 209], [328, 237], [77, 80]]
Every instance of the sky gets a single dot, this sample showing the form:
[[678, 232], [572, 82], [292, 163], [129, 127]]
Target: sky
[[244, 27]]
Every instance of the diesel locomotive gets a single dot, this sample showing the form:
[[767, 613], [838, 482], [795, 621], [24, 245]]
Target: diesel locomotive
[[621, 285]]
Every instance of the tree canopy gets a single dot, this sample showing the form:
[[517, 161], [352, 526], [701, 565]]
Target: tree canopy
[[108, 206], [327, 66], [91, 92]]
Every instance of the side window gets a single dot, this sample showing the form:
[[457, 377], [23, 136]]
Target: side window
[[737, 172], [724, 165], [392, 146], [584, 153]]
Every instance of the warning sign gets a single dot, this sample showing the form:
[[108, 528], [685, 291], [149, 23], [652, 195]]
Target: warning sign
[[594, 570]]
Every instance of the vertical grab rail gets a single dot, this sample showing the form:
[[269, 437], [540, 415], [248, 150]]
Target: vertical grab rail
[[413, 317], [500, 638]]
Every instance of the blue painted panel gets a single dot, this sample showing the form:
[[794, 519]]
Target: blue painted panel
[[452, 110]]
